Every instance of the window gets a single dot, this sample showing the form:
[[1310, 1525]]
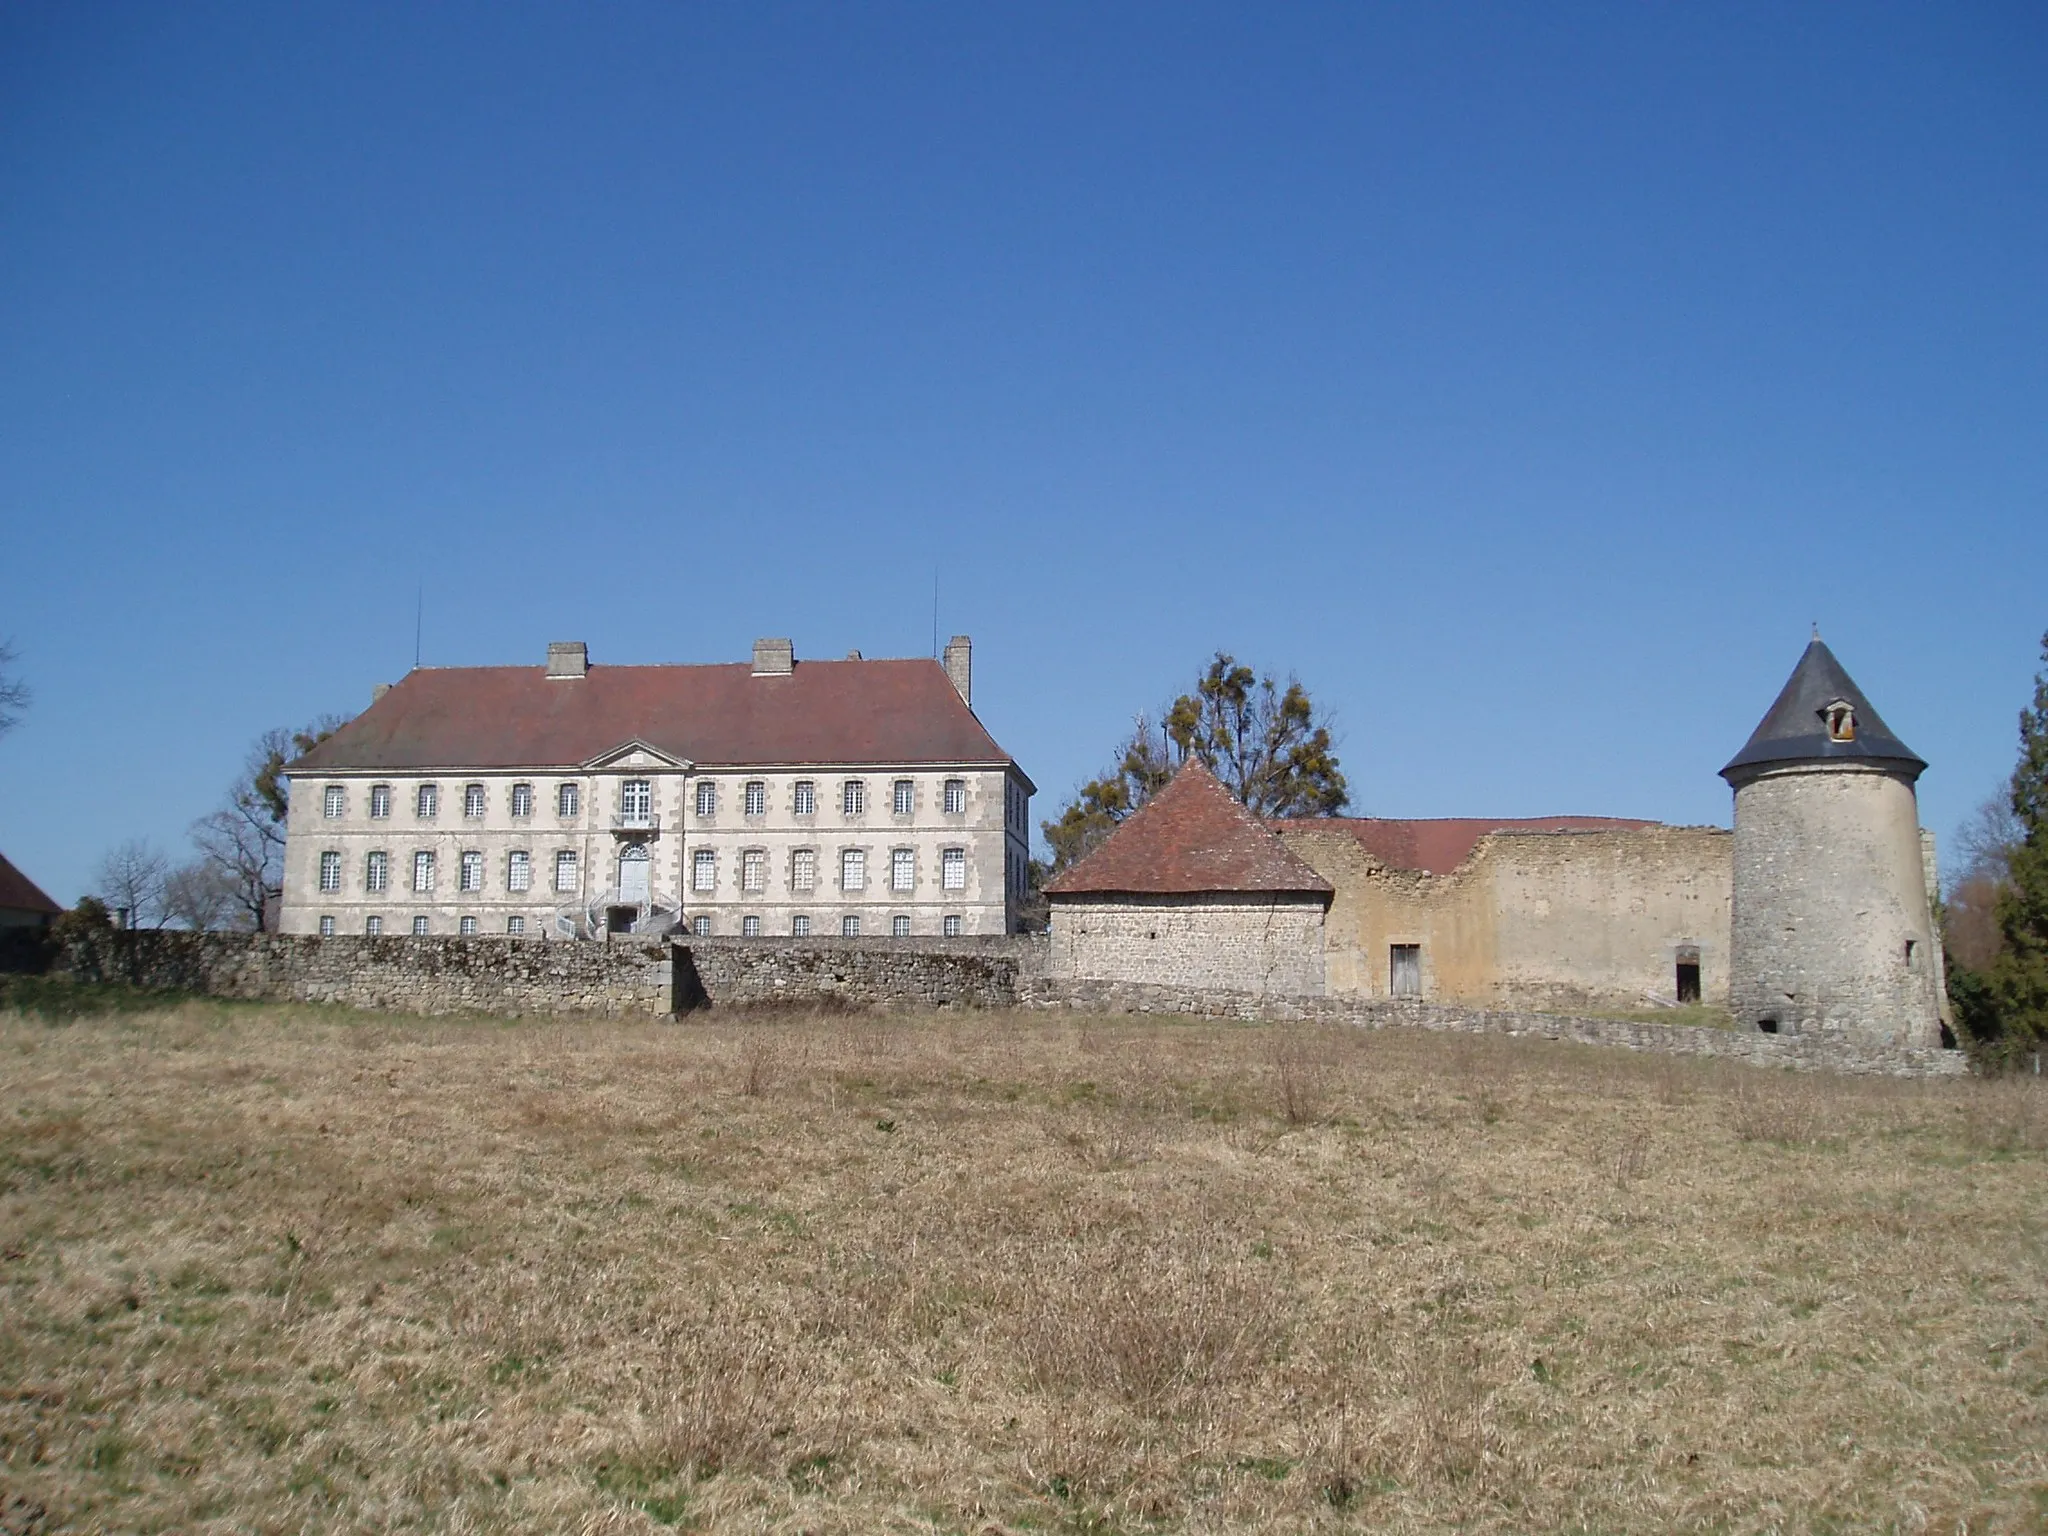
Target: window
[[423, 871], [636, 802], [853, 870], [754, 871], [373, 926], [902, 870], [473, 800], [757, 798], [377, 872], [1912, 956], [565, 870], [951, 927], [707, 797], [419, 927], [471, 876], [750, 927], [899, 927], [568, 800], [953, 869], [427, 804], [519, 870], [326, 927], [853, 797], [803, 869], [330, 871], [701, 926], [334, 802], [704, 870], [956, 797], [806, 803], [799, 927], [522, 799], [515, 927], [903, 797], [380, 801], [849, 927], [1404, 970], [467, 927], [1688, 979]]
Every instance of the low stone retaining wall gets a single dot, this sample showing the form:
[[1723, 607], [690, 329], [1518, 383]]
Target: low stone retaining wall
[[854, 973]]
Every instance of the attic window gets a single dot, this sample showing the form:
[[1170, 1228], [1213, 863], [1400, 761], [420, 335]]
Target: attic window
[[1840, 717]]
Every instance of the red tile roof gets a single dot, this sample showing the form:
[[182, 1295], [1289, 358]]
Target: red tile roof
[[858, 712], [18, 893], [1439, 845], [1192, 837]]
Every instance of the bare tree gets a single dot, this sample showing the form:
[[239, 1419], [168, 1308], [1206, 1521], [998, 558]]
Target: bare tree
[[244, 840], [131, 879], [196, 895], [14, 693]]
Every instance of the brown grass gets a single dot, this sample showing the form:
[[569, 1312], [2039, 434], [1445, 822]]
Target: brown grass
[[301, 1270]]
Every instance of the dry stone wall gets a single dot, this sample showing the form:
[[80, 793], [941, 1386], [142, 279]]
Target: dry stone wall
[[1249, 943]]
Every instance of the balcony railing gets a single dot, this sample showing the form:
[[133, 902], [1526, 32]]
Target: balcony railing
[[631, 822]]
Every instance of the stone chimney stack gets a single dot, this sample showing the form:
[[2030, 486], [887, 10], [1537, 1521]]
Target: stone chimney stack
[[960, 667], [774, 658], [568, 658]]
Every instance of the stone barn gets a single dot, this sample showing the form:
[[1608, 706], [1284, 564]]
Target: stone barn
[[1192, 891]]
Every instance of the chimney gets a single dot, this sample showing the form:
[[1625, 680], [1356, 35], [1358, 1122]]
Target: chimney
[[378, 690], [960, 667], [568, 658], [774, 658]]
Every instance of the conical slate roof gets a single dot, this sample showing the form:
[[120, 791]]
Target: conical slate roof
[[1191, 838], [1795, 730]]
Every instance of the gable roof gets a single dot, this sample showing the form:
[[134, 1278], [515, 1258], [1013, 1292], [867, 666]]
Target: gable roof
[[1190, 838], [721, 715], [1793, 731], [1438, 845], [18, 893]]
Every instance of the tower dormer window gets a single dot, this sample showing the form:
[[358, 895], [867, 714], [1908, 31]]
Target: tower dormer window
[[1840, 718]]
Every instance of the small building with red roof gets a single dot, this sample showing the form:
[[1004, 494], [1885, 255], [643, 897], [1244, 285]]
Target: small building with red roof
[[1192, 891], [23, 903]]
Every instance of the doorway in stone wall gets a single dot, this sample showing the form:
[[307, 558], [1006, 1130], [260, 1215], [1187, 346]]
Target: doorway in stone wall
[[1688, 974], [1404, 970]]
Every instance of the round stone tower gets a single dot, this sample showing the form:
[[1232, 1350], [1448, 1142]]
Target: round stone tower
[[1833, 926]]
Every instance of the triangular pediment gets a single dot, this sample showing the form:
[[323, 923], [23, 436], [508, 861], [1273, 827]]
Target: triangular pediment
[[637, 754]]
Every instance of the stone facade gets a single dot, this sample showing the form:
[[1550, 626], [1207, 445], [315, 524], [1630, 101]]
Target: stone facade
[[1266, 944]]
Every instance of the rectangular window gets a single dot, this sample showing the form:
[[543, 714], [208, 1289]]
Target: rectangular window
[[701, 926], [467, 927], [515, 927], [754, 871], [1404, 970], [419, 927], [334, 802], [849, 927], [956, 797], [951, 925], [853, 797], [757, 798], [953, 869], [472, 874], [522, 799], [853, 870], [636, 802], [326, 927], [377, 872], [380, 801], [568, 800], [803, 869], [707, 797], [427, 804], [899, 927], [806, 803], [704, 870], [330, 871], [519, 870], [423, 871], [799, 927], [473, 801], [902, 870], [903, 797], [373, 926], [565, 870], [750, 927]]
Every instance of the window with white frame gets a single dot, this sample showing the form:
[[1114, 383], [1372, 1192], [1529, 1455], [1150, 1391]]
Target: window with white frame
[[701, 926], [849, 926], [472, 871], [472, 800], [522, 799], [707, 797], [903, 797], [805, 802], [754, 871], [518, 870], [427, 803], [950, 925], [953, 869], [373, 926], [419, 927], [515, 927], [899, 926], [565, 870], [423, 871], [853, 797], [902, 869], [568, 799], [330, 871], [636, 802], [326, 927], [800, 927], [380, 801], [467, 927], [334, 802], [750, 926], [803, 869], [377, 871], [853, 869], [757, 797], [704, 870], [956, 797]]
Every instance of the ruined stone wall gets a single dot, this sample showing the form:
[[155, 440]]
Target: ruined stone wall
[[853, 973], [1260, 944]]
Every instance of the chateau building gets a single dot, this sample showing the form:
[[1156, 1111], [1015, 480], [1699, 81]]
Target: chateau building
[[784, 798]]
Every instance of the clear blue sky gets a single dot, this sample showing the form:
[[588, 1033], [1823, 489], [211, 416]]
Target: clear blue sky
[[1525, 378]]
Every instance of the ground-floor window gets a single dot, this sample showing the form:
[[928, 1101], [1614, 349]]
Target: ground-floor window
[[951, 925], [467, 927], [899, 927], [750, 927], [419, 927], [799, 927], [373, 926], [1404, 970], [701, 926], [849, 926], [515, 927], [326, 927]]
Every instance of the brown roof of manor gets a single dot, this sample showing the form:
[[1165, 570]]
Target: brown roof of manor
[[1190, 838], [1438, 845], [880, 712], [18, 893]]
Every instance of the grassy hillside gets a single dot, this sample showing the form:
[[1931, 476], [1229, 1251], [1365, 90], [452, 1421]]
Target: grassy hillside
[[294, 1269]]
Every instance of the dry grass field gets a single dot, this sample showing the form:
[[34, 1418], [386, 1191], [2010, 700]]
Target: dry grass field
[[304, 1270]]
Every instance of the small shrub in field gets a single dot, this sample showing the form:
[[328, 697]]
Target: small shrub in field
[[1303, 1069]]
